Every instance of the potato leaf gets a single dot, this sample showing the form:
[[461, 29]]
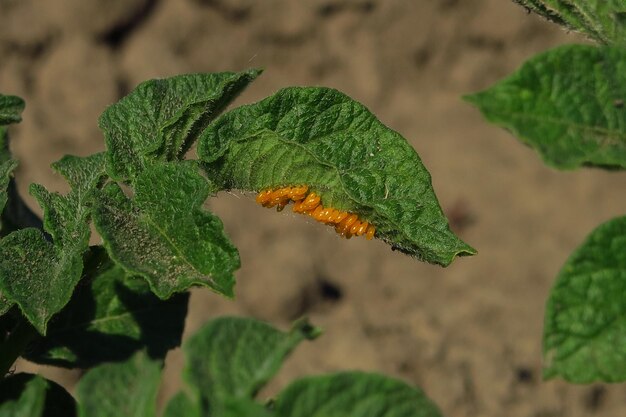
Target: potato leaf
[[601, 20], [567, 103], [585, 325], [24, 395], [111, 315], [164, 235], [353, 394], [11, 108], [321, 138], [126, 389], [39, 275], [160, 119], [232, 358]]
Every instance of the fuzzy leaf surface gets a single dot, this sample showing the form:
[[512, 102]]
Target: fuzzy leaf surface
[[164, 235], [585, 325], [11, 108], [160, 119], [568, 104], [111, 316], [321, 138], [39, 275], [25, 395], [232, 358], [353, 394], [602, 20], [126, 389]]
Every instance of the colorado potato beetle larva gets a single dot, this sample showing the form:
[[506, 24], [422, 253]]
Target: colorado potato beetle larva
[[346, 224]]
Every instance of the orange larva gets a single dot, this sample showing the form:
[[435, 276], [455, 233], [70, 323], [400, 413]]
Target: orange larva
[[346, 224]]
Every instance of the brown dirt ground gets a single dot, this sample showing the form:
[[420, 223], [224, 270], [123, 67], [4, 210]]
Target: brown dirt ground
[[470, 335]]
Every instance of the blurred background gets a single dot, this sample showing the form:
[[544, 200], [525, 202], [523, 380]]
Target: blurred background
[[469, 335]]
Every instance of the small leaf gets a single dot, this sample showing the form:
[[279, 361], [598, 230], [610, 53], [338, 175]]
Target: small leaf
[[126, 389], [353, 394], [11, 108], [160, 119], [111, 315], [585, 325], [164, 235], [567, 103], [232, 358], [24, 395], [36, 274], [602, 20], [321, 138]]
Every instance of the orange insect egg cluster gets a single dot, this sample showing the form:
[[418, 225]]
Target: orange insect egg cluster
[[346, 224]]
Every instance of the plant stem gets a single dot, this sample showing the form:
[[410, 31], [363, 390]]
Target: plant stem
[[15, 344]]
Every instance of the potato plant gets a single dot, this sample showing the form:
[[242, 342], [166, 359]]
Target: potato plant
[[568, 104], [116, 309]]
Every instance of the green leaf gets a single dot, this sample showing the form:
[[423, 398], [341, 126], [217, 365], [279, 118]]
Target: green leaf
[[321, 138], [111, 315], [24, 395], [585, 325], [36, 274], [11, 108], [353, 394], [232, 358], [7, 166], [181, 406], [602, 20], [164, 235], [567, 103], [160, 119], [126, 389]]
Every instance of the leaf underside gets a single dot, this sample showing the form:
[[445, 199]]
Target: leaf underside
[[585, 325], [321, 138], [569, 104]]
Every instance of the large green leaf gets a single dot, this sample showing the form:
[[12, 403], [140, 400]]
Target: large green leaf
[[39, 275], [585, 326], [353, 394], [232, 358], [24, 395], [602, 20], [164, 235], [160, 119], [111, 315], [11, 108], [126, 389], [567, 103], [321, 138]]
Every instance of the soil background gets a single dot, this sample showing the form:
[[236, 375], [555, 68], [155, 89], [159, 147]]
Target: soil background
[[469, 335]]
